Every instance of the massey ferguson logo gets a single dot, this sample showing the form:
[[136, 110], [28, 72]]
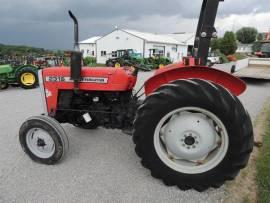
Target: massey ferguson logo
[[83, 79]]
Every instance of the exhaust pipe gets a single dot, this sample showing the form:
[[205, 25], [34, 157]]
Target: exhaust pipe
[[76, 31], [76, 55]]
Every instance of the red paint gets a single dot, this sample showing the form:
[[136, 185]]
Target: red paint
[[119, 79], [178, 71]]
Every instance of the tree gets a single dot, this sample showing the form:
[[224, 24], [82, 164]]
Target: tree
[[247, 35], [228, 44], [215, 44], [260, 37]]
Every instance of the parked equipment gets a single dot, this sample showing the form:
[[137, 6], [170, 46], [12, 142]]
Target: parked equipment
[[257, 68], [127, 56], [212, 59], [120, 56], [25, 76], [48, 61], [263, 49], [191, 130]]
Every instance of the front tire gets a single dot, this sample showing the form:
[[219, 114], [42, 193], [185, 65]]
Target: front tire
[[43, 139], [193, 134], [3, 85], [109, 64]]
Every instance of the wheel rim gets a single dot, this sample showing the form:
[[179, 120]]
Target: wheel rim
[[40, 143], [191, 140], [117, 65], [28, 79], [161, 66]]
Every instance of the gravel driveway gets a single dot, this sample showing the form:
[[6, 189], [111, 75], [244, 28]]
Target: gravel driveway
[[101, 165]]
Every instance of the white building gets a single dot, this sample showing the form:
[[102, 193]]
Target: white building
[[186, 38], [145, 43], [88, 46], [244, 48]]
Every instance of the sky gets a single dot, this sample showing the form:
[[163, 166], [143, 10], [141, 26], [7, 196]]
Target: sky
[[46, 24]]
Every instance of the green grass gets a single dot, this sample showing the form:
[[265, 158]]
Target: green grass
[[263, 166]]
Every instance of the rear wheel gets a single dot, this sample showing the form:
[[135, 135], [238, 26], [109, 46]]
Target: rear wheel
[[43, 139], [193, 134], [27, 78], [117, 65]]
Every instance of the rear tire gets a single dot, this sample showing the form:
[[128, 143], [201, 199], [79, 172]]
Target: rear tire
[[213, 105], [43, 139], [27, 78]]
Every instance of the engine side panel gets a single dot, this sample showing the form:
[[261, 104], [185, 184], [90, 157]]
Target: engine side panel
[[178, 71], [107, 109], [95, 79]]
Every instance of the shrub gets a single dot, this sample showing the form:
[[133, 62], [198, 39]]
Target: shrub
[[223, 58], [88, 61]]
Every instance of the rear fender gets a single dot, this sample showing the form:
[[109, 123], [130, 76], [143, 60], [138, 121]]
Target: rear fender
[[34, 68], [167, 75]]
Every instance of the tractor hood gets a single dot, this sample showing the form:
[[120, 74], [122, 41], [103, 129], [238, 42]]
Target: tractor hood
[[5, 69], [99, 78]]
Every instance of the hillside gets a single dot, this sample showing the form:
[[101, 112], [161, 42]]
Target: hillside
[[14, 50]]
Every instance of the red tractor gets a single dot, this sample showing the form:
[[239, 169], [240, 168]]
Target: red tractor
[[191, 130]]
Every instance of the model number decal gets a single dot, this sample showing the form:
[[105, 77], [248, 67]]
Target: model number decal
[[83, 79]]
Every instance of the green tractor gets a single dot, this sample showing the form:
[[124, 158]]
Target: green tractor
[[120, 57], [157, 59], [25, 76]]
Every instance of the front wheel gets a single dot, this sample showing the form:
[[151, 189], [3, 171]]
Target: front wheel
[[3, 85], [43, 139], [193, 134]]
